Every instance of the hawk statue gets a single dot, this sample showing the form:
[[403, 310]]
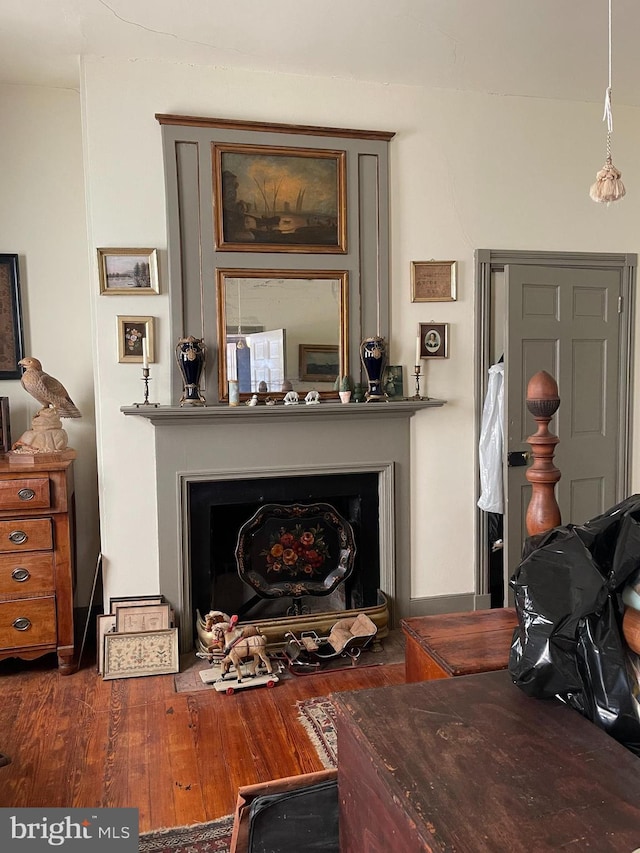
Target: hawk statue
[[47, 390]]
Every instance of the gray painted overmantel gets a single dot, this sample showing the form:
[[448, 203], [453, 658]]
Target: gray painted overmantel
[[221, 443]]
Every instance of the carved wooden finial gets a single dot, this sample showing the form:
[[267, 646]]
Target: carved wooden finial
[[543, 512]]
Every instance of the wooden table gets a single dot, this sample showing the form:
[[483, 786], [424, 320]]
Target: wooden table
[[473, 765], [457, 643]]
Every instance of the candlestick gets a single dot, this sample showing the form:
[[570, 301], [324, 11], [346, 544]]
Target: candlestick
[[145, 354], [416, 373], [146, 380]]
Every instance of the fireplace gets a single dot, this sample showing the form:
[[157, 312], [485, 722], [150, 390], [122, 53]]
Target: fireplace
[[356, 455], [218, 510]]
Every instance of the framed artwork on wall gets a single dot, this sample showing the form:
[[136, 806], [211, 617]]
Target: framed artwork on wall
[[128, 272], [274, 199], [433, 281], [11, 339], [319, 362], [5, 426], [133, 332], [434, 340]]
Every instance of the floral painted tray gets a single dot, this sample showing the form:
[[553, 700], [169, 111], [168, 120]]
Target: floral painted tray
[[295, 550]]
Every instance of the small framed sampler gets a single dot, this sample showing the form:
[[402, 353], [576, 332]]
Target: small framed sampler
[[434, 340], [433, 281], [135, 654]]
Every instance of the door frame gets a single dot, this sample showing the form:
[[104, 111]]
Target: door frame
[[489, 261]]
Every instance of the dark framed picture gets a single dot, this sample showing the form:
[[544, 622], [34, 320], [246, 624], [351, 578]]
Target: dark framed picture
[[273, 199], [393, 383], [319, 362], [433, 281], [434, 340], [5, 426], [130, 272], [11, 338], [135, 336]]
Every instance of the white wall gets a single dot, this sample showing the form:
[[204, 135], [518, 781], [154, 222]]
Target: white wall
[[467, 171], [43, 220]]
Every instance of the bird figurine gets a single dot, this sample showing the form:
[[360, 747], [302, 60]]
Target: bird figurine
[[48, 391]]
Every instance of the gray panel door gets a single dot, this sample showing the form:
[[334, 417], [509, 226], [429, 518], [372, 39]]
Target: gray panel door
[[564, 321]]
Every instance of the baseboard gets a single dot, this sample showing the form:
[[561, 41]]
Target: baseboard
[[436, 604]]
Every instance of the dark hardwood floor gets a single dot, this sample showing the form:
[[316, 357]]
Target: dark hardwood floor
[[178, 757]]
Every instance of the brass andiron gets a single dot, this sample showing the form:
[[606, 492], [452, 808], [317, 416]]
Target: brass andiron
[[543, 512]]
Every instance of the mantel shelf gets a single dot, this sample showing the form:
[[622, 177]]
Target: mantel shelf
[[174, 415]]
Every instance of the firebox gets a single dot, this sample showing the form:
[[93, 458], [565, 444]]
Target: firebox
[[220, 509]]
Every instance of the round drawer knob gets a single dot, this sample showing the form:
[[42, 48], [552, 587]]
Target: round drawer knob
[[21, 623], [18, 537], [20, 575], [26, 494]]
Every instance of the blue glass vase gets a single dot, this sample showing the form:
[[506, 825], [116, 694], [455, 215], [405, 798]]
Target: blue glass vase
[[373, 355], [191, 354]]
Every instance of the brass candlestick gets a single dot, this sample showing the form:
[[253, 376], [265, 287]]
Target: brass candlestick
[[416, 373], [146, 380]]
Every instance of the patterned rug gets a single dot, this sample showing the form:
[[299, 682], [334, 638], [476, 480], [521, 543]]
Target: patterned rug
[[213, 837], [318, 716]]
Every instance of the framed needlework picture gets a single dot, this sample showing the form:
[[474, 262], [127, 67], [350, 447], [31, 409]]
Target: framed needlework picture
[[433, 281], [11, 340], [273, 199], [132, 333], [434, 340], [135, 654]]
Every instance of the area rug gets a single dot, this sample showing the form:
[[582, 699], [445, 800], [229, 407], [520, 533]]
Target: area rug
[[318, 717], [212, 837]]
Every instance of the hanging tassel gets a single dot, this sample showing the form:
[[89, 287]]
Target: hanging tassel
[[608, 186]]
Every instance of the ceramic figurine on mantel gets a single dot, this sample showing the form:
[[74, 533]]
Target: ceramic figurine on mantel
[[191, 354], [373, 354]]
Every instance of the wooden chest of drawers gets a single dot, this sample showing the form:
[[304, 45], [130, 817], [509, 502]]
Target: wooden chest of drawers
[[37, 568]]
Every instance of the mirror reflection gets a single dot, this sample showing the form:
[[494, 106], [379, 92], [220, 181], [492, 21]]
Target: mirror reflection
[[281, 332]]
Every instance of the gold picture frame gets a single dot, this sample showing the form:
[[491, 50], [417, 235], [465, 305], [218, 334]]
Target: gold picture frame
[[434, 281], [131, 333], [279, 199], [128, 272], [105, 624], [143, 653]]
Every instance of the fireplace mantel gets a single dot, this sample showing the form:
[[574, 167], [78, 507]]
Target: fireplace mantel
[[176, 415], [224, 442]]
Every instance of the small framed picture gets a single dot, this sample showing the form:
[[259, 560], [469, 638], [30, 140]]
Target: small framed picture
[[147, 653], [11, 337], [130, 272], [133, 601], [143, 617], [433, 281], [393, 384], [132, 331], [5, 426], [434, 340], [105, 624]]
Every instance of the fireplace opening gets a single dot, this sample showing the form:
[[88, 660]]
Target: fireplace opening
[[218, 509]]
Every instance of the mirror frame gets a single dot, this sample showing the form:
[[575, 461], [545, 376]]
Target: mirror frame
[[222, 274]]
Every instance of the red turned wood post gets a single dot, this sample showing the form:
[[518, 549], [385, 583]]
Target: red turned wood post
[[543, 512]]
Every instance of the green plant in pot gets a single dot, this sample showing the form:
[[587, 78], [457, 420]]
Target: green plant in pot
[[345, 388]]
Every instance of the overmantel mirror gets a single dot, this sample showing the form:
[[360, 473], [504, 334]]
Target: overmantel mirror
[[280, 330], [319, 281]]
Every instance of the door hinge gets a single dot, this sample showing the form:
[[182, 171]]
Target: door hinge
[[620, 304]]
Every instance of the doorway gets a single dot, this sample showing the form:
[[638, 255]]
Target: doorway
[[571, 315]]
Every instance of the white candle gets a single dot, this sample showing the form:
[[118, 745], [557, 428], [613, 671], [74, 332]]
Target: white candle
[[145, 353], [418, 350]]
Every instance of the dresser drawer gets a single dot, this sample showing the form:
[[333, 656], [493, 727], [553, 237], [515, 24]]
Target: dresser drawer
[[26, 534], [27, 622], [25, 494], [26, 574]]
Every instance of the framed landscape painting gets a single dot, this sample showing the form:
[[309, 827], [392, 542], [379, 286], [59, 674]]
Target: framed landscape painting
[[319, 362], [271, 199], [131, 272]]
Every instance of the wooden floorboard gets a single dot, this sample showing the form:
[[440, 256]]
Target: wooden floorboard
[[178, 757]]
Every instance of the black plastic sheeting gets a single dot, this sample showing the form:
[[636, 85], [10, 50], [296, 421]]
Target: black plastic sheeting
[[300, 821], [569, 642]]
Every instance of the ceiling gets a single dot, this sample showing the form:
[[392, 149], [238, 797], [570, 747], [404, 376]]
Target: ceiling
[[535, 48]]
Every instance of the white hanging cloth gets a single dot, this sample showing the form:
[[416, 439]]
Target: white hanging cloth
[[492, 443]]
